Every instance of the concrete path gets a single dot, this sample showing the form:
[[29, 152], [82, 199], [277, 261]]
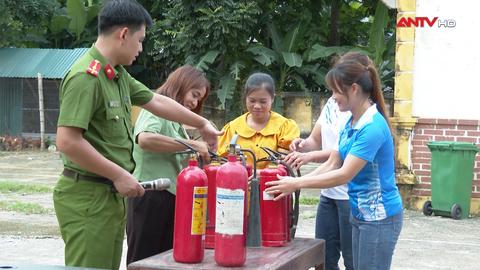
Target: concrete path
[[425, 242]]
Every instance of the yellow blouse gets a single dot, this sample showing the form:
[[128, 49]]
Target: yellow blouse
[[277, 134]]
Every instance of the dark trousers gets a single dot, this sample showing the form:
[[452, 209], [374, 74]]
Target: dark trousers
[[334, 226], [150, 224]]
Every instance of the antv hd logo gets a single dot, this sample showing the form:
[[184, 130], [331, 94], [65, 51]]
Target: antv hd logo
[[422, 22]]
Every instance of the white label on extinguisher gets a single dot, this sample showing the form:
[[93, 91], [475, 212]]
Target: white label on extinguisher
[[267, 197], [199, 210], [229, 211]]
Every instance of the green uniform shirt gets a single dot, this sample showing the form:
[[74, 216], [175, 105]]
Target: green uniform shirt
[[151, 165], [102, 108]]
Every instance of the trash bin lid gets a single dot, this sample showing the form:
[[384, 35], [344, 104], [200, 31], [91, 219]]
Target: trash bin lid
[[450, 145]]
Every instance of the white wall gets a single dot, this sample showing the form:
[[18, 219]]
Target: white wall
[[446, 79]]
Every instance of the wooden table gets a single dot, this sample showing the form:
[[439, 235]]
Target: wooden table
[[14, 266], [301, 253]]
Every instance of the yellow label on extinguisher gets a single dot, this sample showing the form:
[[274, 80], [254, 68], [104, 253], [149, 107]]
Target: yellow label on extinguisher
[[199, 210]]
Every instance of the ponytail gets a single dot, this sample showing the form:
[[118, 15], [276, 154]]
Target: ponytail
[[377, 96], [355, 67]]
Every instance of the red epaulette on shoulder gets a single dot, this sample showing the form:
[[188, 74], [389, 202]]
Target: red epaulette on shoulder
[[94, 67]]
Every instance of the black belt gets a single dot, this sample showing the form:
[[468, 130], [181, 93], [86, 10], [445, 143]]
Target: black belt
[[78, 176]]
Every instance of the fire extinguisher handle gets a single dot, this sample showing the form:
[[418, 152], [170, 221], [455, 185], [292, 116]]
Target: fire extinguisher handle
[[191, 150], [214, 155], [254, 161]]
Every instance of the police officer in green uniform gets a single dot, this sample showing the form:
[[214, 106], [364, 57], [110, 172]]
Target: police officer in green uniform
[[95, 137]]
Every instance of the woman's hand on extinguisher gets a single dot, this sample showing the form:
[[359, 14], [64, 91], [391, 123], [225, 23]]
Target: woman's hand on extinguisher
[[296, 144], [286, 185], [202, 149], [298, 159], [210, 134]]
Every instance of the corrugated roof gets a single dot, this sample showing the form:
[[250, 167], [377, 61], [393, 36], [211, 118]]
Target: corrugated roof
[[26, 63]]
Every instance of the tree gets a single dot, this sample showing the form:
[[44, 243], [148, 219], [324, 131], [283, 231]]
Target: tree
[[23, 23], [229, 39], [292, 40]]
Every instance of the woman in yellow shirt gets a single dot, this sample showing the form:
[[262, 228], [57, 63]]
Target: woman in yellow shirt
[[259, 126]]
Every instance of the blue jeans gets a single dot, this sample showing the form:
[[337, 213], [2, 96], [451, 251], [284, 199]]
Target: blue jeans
[[374, 242], [333, 225]]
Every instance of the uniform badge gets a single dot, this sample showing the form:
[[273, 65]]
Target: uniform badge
[[114, 104], [109, 71], [94, 67]]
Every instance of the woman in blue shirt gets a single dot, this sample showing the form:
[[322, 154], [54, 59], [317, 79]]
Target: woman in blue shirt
[[363, 158]]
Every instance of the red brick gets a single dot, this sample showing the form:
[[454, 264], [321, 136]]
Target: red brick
[[424, 126], [467, 139], [446, 121], [422, 192], [444, 138], [425, 179], [421, 172], [416, 167], [465, 127], [473, 133], [468, 122], [455, 132], [423, 137], [452, 127], [420, 148], [422, 155], [433, 132], [427, 121], [417, 142], [420, 160], [475, 195], [423, 186], [426, 166]]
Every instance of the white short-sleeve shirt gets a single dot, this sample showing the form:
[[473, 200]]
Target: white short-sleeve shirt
[[332, 120]]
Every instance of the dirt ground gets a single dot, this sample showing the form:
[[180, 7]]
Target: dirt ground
[[425, 242]]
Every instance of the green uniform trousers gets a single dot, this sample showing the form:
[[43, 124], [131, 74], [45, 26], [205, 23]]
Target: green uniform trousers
[[92, 223]]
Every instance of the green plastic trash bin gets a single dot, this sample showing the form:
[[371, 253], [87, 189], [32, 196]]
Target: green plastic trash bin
[[451, 175]]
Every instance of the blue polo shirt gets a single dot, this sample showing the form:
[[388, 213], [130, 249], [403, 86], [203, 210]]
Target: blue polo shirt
[[373, 192]]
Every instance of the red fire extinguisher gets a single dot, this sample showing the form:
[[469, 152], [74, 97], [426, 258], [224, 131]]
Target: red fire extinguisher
[[211, 172], [231, 214], [275, 215], [190, 214]]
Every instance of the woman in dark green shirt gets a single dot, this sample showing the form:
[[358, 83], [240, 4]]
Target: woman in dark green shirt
[[150, 218]]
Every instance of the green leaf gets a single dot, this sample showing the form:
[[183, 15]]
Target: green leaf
[[227, 86], [58, 23], [300, 82], [92, 12], [206, 59], [263, 55], [319, 78], [291, 39], [377, 32], [276, 40], [292, 59], [309, 68], [318, 51], [236, 68], [77, 12]]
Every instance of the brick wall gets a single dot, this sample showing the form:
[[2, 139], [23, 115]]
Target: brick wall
[[428, 129]]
